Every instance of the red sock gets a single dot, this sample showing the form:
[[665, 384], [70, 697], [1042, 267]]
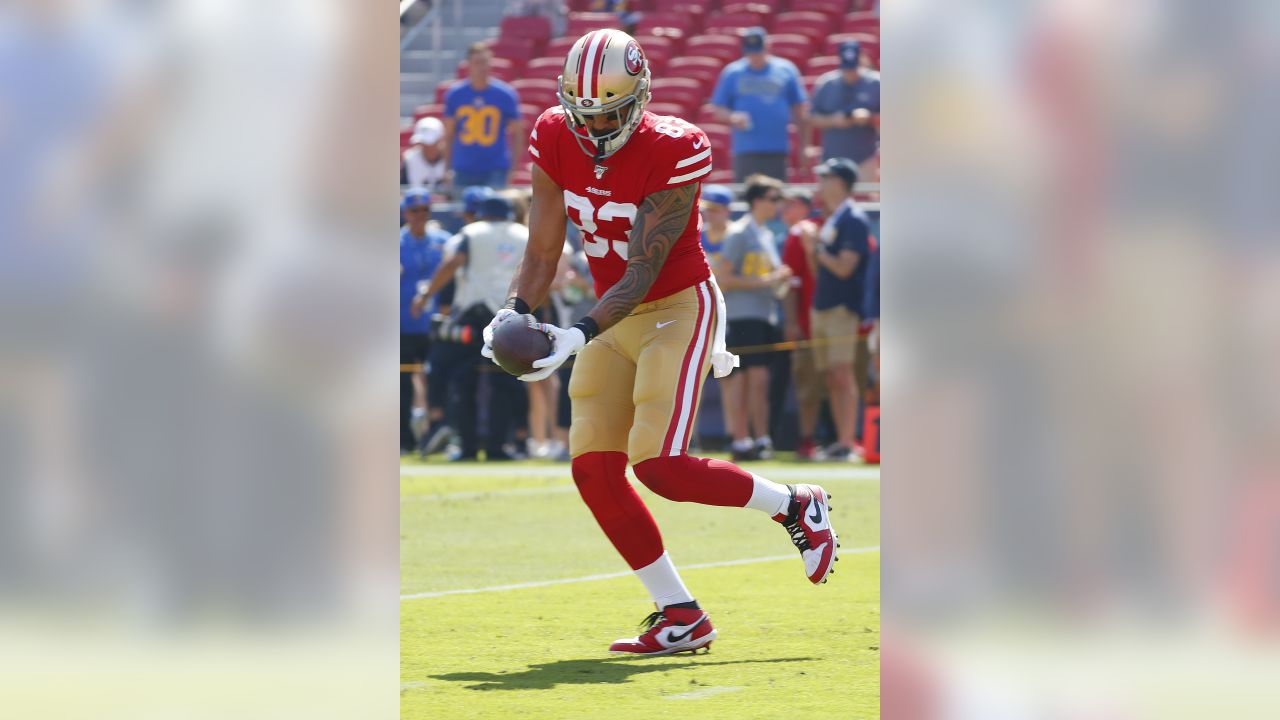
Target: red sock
[[685, 478], [601, 478]]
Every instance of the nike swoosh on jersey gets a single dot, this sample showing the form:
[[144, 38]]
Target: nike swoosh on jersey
[[664, 324], [697, 145]]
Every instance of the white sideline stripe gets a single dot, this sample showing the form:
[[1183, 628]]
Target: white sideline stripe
[[812, 471], [611, 576], [495, 493], [691, 160], [704, 693], [690, 380], [690, 176]]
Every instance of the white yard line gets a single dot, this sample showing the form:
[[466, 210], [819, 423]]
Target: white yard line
[[816, 471], [831, 474], [610, 576], [704, 693]]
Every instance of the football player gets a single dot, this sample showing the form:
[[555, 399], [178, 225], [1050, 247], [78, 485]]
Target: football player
[[630, 180]]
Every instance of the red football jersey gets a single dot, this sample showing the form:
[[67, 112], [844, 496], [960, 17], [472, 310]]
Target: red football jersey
[[602, 200]]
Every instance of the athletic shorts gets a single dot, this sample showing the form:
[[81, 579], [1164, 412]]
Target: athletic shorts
[[635, 388], [750, 334]]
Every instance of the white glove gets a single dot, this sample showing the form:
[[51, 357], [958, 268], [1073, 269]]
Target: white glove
[[564, 343], [503, 314]]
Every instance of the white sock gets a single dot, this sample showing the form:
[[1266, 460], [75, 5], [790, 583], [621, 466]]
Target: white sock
[[764, 441], [663, 582], [769, 497], [743, 444]]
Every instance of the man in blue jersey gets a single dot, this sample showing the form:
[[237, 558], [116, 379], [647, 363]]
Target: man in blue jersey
[[840, 258], [421, 250], [483, 129], [758, 96]]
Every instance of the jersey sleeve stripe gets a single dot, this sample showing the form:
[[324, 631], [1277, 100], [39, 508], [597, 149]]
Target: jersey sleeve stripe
[[690, 176], [534, 151], [535, 134], [691, 160]]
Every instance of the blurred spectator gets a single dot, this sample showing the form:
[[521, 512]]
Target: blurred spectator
[[759, 95], [629, 22], [846, 106], [752, 277], [483, 129], [871, 312], [424, 164], [715, 219], [484, 255], [839, 255], [421, 250], [796, 307], [574, 295]]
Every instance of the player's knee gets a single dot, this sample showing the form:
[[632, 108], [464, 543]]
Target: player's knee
[[661, 475], [598, 468]]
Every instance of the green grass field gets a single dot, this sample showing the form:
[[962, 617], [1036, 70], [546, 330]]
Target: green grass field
[[786, 649]]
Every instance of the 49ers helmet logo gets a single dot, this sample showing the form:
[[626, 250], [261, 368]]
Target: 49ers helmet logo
[[634, 60]]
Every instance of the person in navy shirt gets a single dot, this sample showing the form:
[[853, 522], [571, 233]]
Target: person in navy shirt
[[840, 253], [846, 106], [483, 129], [758, 96], [421, 250]]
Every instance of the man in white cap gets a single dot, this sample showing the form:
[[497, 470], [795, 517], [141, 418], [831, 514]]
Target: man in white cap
[[424, 159]]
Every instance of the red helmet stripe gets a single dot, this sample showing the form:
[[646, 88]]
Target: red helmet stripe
[[582, 61], [603, 41]]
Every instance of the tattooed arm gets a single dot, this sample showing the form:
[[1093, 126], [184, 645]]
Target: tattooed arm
[[662, 219]]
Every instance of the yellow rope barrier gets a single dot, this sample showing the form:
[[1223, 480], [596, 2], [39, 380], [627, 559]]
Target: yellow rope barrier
[[744, 350]]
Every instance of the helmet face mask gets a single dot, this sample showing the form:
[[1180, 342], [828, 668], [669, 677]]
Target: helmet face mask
[[605, 74]]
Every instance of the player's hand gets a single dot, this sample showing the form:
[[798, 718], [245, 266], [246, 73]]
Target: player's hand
[[740, 120], [564, 344], [861, 116], [417, 306], [487, 349]]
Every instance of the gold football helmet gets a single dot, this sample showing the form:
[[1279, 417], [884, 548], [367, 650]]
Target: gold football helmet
[[606, 73]]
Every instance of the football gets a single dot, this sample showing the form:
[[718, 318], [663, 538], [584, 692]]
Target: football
[[516, 344]]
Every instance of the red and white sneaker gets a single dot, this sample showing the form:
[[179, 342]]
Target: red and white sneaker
[[809, 522], [668, 631]]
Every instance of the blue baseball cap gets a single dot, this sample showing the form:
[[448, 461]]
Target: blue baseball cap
[[717, 195], [472, 196], [843, 168], [415, 198], [850, 51], [753, 40], [495, 207]]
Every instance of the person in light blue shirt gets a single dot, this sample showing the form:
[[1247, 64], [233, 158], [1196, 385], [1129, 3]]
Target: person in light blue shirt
[[483, 129], [759, 95], [421, 251]]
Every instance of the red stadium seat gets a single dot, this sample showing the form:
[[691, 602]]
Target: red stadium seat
[[428, 110], [693, 7], [733, 22], [549, 66], [521, 178], [518, 50], [686, 92], [861, 22], [675, 35], [536, 91], [560, 46], [659, 47], [705, 70], [666, 108], [405, 134], [719, 45], [580, 23], [831, 8], [687, 23], [796, 48], [720, 176], [759, 7], [821, 64], [812, 25], [534, 27]]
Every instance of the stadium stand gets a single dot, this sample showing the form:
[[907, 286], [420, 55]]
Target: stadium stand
[[688, 43]]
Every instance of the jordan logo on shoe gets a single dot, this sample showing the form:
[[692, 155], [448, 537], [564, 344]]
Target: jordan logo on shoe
[[673, 638], [816, 517]]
